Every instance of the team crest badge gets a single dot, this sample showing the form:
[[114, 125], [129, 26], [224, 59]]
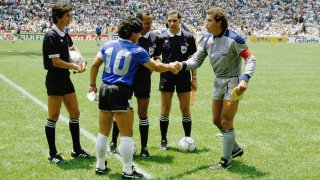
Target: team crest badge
[[166, 43], [151, 50], [183, 49]]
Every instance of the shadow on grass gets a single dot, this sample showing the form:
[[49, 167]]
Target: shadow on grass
[[78, 163], [246, 171], [112, 175], [197, 151], [154, 158], [237, 167], [165, 158], [181, 175]]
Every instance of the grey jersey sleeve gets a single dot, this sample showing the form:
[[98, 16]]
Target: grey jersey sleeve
[[250, 65], [250, 61], [199, 56], [197, 59]]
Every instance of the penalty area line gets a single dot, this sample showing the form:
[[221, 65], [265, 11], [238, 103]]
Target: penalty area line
[[66, 120]]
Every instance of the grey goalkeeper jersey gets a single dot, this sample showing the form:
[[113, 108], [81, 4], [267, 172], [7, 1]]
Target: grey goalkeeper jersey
[[225, 52]]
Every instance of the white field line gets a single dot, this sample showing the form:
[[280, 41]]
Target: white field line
[[66, 120]]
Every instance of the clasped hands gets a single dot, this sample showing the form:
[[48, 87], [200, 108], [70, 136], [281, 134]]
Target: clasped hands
[[175, 67], [79, 68]]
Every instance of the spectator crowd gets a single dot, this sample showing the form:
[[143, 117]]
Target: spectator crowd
[[254, 17]]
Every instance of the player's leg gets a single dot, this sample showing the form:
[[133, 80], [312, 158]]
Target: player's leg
[[237, 150], [71, 103], [20, 38], [217, 105], [105, 123], [166, 99], [54, 106], [115, 134], [184, 100], [14, 38], [126, 148], [143, 104], [227, 116], [221, 120], [99, 39], [141, 88]]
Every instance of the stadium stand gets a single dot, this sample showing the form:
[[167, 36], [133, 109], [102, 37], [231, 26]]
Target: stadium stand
[[255, 17]]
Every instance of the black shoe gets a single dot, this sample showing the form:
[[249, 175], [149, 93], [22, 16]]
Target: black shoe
[[81, 154], [223, 164], [145, 153], [103, 171], [56, 159], [164, 145], [134, 175], [237, 153]]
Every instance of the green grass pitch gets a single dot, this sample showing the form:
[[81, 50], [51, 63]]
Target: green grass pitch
[[277, 122]]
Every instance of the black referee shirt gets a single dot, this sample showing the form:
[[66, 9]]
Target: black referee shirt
[[56, 44], [152, 44], [177, 47]]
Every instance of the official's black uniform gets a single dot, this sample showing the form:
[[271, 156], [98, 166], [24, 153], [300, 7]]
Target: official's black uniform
[[56, 44], [142, 80], [176, 48]]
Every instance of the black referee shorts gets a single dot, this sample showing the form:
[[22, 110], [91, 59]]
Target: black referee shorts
[[170, 82], [58, 85]]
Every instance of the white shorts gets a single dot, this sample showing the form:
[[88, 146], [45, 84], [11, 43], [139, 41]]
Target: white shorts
[[223, 87]]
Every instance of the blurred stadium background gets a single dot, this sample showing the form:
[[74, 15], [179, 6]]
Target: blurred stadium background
[[258, 20]]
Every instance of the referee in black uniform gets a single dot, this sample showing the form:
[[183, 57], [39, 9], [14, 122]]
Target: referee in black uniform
[[142, 83], [177, 45], [56, 46]]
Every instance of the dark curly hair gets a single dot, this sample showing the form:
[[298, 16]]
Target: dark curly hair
[[128, 26], [59, 9]]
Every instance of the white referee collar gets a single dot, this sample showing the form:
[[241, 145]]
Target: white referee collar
[[171, 35], [62, 34], [146, 35]]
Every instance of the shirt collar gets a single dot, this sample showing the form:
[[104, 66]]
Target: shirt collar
[[171, 35], [146, 35], [58, 31]]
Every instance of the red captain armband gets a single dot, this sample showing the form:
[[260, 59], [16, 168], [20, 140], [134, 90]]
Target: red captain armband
[[245, 53]]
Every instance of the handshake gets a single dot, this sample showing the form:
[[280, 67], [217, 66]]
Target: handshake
[[175, 67]]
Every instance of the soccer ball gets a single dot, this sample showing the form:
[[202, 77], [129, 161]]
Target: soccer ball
[[75, 57], [187, 144]]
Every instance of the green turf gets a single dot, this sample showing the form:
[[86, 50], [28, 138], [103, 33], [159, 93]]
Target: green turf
[[277, 122]]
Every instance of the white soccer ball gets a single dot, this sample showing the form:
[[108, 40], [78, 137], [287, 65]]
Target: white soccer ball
[[187, 144], [75, 57]]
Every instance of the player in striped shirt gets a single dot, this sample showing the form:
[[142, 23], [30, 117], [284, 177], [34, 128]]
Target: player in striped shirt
[[225, 49]]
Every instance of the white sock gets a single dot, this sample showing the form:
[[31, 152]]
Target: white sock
[[101, 149], [126, 149]]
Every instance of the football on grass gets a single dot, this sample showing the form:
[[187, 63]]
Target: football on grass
[[187, 144]]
